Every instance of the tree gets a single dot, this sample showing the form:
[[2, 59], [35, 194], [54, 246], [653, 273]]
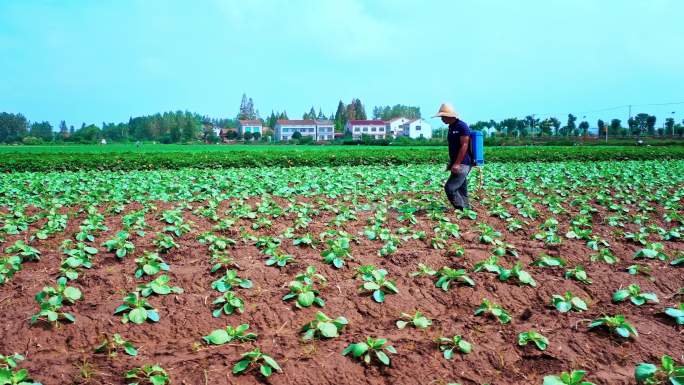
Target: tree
[[321, 115], [247, 136], [650, 124], [13, 127], [256, 135], [398, 110], [602, 127], [669, 125], [340, 117], [63, 130], [246, 109], [531, 122], [545, 127], [583, 128], [615, 127], [297, 135], [87, 134], [42, 130], [641, 123], [570, 127]]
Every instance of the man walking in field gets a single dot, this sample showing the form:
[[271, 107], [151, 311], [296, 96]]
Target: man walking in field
[[456, 187]]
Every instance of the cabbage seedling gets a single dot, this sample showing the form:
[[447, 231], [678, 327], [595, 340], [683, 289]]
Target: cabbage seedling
[[578, 274], [494, 309], [20, 377], [677, 313], [305, 294], [323, 327], [137, 310], [228, 334], [147, 374], [111, 345], [533, 336], [650, 374], [376, 347], [456, 343], [423, 271], [377, 283], [633, 292], [279, 259], [573, 378], [26, 252], [255, 357], [446, 275], [50, 300], [228, 303], [549, 261], [159, 286], [418, 320], [10, 361], [616, 324], [652, 251], [310, 276], [229, 281], [120, 244], [568, 302], [150, 264]]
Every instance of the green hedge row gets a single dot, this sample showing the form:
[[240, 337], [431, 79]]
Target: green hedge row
[[333, 157]]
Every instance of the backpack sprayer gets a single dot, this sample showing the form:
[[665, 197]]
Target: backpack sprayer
[[477, 152]]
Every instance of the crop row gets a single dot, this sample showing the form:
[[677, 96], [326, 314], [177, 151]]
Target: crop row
[[638, 203], [289, 157]]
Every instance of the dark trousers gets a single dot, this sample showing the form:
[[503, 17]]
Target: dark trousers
[[456, 188]]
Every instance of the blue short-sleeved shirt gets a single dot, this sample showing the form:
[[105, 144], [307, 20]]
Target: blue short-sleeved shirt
[[457, 130]]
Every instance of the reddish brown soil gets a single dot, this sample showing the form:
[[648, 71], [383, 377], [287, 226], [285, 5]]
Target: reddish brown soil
[[64, 355]]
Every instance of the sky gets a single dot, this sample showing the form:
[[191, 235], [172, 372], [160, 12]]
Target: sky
[[106, 60]]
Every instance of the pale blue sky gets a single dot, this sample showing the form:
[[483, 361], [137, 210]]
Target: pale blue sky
[[106, 60]]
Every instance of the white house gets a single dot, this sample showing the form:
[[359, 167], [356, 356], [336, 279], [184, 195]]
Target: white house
[[418, 128], [252, 126], [375, 128], [319, 130], [394, 126]]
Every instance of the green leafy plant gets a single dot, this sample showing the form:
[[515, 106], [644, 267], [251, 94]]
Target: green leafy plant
[[164, 243], [572, 378], [615, 324], [446, 275], [652, 251], [120, 244], [229, 334], [111, 345], [633, 292], [371, 347], [19, 377], [137, 310], [337, 252], [418, 320], [229, 281], [78, 256], [533, 336], [305, 294], [150, 264], [518, 273], [604, 255], [549, 261], [159, 286], [324, 327], [8, 267], [26, 252], [310, 276], [488, 307], [10, 362], [376, 282], [668, 371], [578, 274], [147, 375], [423, 271], [568, 302], [255, 357], [677, 313], [279, 259], [228, 303], [51, 299], [454, 344]]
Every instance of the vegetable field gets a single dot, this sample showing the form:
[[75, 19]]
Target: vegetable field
[[563, 273]]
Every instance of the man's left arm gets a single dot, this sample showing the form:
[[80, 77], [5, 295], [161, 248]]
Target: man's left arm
[[462, 151]]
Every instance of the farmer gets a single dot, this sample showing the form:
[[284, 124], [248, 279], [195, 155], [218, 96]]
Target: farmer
[[456, 187]]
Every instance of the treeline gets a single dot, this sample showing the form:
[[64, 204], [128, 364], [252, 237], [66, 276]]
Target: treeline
[[169, 127], [641, 124]]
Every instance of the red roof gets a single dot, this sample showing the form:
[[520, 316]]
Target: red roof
[[250, 123], [307, 122], [367, 122]]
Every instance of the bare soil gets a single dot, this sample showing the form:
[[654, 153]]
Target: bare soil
[[64, 354]]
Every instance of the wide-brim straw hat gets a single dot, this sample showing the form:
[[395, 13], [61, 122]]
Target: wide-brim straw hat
[[446, 110]]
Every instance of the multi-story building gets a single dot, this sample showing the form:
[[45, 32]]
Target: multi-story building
[[377, 129], [319, 130], [251, 126]]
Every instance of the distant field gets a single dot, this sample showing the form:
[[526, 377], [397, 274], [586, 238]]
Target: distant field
[[156, 148], [159, 157]]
